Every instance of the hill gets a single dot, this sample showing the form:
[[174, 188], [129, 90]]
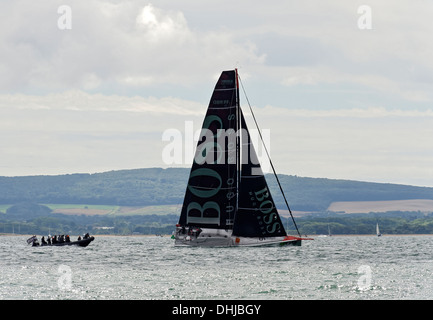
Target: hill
[[146, 201], [138, 187], [157, 186]]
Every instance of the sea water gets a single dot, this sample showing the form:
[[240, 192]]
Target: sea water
[[355, 267]]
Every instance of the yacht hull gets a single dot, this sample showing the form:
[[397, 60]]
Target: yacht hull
[[224, 238]]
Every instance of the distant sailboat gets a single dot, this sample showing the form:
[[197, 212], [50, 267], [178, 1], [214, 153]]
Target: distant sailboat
[[377, 230], [227, 200]]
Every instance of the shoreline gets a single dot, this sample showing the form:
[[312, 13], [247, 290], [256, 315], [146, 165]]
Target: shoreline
[[93, 235], [169, 235]]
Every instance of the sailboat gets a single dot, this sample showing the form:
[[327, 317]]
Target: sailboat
[[377, 230], [227, 200], [329, 231]]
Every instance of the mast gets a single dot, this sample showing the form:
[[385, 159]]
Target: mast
[[238, 143]]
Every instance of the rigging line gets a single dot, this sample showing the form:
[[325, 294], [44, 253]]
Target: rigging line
[[269, 157]]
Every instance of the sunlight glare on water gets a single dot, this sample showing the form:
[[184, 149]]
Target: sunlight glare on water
[[357, 267]]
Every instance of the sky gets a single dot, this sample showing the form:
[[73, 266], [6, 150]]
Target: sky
[[343, 89]]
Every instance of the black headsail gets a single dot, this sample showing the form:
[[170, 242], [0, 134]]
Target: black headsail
[[211, 194], [257, 215]]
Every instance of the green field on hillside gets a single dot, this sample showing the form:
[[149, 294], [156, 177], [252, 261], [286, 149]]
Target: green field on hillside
[[92, 209]]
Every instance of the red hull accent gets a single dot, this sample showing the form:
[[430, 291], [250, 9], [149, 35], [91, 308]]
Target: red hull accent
[[292, 238]]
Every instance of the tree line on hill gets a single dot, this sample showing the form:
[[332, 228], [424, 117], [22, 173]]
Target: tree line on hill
[[31, 218], [390, 223], [157, 186]]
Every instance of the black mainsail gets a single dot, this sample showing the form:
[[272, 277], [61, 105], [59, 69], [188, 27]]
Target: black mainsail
[[211, 194], [227, 194]]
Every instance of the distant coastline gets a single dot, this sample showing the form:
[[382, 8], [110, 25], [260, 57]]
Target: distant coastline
[[314, 236], [148, 201], [158, 186]]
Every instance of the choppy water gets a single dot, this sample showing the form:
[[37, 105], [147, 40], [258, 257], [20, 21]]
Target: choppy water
[[390, 267]]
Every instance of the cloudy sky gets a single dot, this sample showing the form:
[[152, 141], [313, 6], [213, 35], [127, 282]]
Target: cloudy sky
[[344, 88]]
